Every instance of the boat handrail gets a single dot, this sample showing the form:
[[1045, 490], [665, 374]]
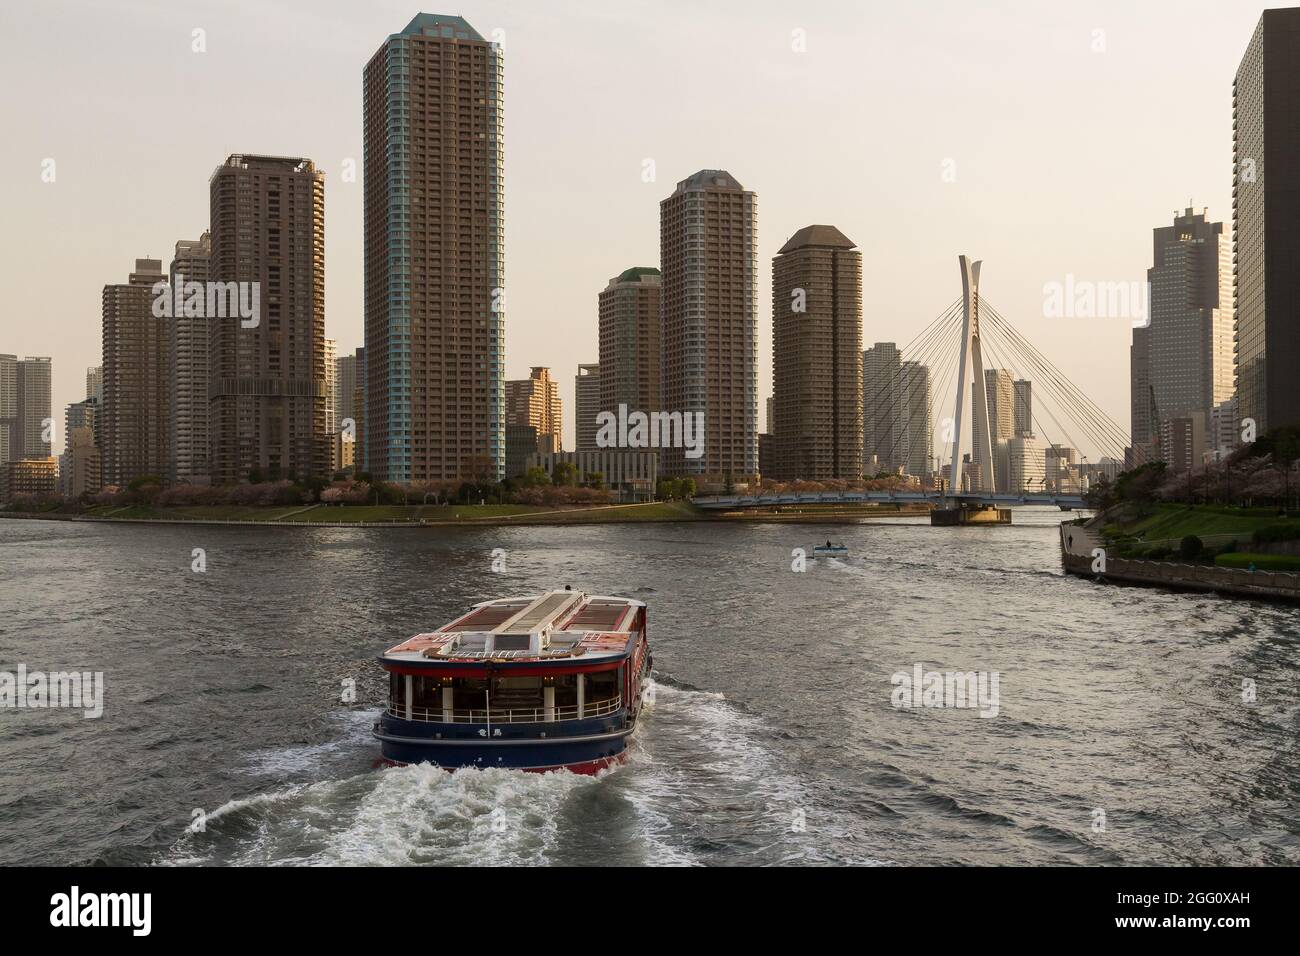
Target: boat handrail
[[531, 715]]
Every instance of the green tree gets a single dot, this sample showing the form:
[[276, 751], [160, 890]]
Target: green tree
[[565, 473], [670, 489], [1283, 444], [313, 487], [1140, 484], [1191, 547], [536, 477], [387, 493]]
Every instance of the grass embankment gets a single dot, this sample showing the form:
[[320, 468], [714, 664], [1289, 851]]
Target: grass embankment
[[1261, 562], [196, 513], [832, 514], [352, 513], [1158, 532], [1171, 522]]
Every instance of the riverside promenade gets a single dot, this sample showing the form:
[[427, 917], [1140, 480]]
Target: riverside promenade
[[1078, 543]]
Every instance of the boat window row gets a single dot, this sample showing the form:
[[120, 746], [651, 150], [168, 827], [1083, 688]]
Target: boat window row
[[531, 699]]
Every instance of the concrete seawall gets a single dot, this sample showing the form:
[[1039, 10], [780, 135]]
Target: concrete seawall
[[1078, 542]]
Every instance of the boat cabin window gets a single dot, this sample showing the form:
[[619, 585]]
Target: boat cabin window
[[507, 693], [602, 685]]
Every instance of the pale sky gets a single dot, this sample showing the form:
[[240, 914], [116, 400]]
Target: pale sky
[[1065, 158]]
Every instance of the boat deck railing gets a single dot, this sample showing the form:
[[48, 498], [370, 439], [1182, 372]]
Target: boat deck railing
[[533, 715]]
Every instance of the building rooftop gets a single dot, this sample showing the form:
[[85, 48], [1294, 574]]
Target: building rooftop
[[441, 25], [825, 236], [636, 274], [709, 179]]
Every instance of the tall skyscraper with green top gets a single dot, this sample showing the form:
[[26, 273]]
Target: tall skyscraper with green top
[[434, 254]]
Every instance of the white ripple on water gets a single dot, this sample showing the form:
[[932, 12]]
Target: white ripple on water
[[699, 775], [421, 814], [705, 775], [393, 817], [305, 758]]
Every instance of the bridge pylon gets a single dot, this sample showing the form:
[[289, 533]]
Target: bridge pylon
[[982, 451]]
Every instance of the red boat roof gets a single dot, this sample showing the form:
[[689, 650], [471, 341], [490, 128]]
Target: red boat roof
[[557, 625]]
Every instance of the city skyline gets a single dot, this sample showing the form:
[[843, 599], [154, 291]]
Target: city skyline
[[552, 311], [651, 434]]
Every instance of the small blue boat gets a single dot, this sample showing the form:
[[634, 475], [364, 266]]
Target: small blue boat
[[829, 550]]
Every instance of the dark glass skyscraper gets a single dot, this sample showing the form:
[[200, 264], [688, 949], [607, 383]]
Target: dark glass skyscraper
[[1266, 221]]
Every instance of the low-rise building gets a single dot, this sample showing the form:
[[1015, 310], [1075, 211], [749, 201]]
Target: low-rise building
[[521, 443], [83, 463], [28, 476], [632, 475]]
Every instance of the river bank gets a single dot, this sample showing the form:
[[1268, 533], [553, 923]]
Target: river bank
[[1091, 550], [420, 516]]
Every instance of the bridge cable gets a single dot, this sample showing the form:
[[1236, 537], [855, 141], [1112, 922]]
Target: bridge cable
[[927, 358], [924, 343], [1035, 421], [942, 354], [1101, 422], [1101, 430]]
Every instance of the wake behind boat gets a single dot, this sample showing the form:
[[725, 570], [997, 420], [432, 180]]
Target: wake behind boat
[[551, 682]]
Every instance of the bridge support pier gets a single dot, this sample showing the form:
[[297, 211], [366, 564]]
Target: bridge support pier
[[965, 514]]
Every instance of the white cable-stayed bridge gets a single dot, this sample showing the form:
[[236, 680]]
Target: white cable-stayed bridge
[[967, 338]]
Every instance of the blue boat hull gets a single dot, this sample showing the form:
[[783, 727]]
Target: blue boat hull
[[582, 746]]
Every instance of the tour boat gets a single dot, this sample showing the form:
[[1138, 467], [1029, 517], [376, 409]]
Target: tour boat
[[830, 550], [547, 682]]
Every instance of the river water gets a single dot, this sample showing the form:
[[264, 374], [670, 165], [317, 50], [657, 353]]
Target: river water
[[1124, 732]]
